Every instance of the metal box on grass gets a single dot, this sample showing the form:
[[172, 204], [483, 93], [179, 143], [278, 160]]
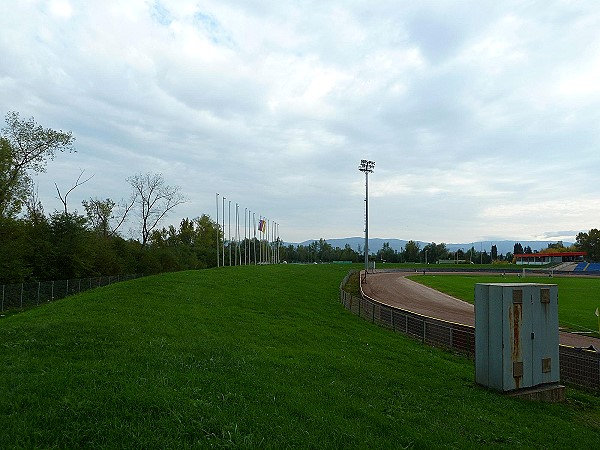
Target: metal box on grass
[[516, 335]]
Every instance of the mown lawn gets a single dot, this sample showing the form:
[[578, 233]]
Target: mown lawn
[[250, 357], [578, 297]]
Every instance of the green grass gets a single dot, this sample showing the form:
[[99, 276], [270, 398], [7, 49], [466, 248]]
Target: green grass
[[250, 357], [578, 297]]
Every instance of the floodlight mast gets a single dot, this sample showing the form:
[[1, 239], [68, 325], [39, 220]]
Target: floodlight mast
[[367, 167]]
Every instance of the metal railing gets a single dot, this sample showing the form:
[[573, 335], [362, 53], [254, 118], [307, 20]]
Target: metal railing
[[580, 367], [19, 296]]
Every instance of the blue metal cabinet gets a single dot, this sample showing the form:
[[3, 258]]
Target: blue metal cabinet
[[516, 335]]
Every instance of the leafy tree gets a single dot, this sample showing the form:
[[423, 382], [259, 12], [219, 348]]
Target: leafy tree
[[494, 253], [387, 253], [590, 243], [105, 217], [71, 249], [411, 251], [14, 241], [518, 249], [435, 252], [25, 146], [15, 188]]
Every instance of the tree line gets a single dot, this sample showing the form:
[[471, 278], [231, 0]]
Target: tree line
[[66, 244]]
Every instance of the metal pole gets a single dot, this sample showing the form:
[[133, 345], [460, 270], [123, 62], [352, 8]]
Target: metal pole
[[229, 222], [217, 230], [254, 240], [260, 243], [366, 166], [245, 238], [237, 236], [366, 222], [223, 264]]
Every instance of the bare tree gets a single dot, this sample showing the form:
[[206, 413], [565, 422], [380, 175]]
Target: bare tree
[[154, 199], [78, 183]]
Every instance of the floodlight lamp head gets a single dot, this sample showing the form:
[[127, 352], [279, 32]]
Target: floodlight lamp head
[[366, 165]]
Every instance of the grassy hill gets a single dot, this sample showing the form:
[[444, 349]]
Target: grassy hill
[[250, 357]]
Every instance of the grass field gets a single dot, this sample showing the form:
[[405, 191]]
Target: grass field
[[250, 357], [578, 297]]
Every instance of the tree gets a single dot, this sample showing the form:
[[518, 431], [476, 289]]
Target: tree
[[154, 200], [72, 252], [435, 252], [105, 217], [411, 251], [387, 253], [518, 249], [589, 243], [25, 146], [78, 182], [14, 189], [494, 253]]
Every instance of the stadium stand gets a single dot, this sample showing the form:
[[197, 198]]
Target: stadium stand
[[580, 267]]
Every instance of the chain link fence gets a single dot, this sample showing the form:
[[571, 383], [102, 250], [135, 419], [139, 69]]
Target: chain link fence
[[578, 366], [25, 295]]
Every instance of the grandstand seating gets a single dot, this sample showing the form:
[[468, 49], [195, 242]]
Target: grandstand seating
[[580, 267], [593, 267]]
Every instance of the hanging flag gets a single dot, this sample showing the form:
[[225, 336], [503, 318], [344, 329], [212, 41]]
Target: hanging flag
[[261, 225]]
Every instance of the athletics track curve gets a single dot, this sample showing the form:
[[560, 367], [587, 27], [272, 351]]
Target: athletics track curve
[[394, 289]]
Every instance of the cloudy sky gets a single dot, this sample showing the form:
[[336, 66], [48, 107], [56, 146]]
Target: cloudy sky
[[483, 117]]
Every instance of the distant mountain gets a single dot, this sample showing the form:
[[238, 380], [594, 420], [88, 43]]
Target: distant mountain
[[376, 244]]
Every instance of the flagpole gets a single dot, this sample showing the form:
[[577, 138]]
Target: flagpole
[[217, 228], [223, 232], [254, 240], [237, 234]]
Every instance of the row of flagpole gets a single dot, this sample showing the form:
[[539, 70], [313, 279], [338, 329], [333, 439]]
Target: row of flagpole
[[268, 237]]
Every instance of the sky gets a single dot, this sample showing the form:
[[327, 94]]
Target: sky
[[482, 117]]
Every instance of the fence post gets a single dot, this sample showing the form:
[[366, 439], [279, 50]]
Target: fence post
[[38, 296], [67, 293], [21, 295], [3, 297], [52, 292]]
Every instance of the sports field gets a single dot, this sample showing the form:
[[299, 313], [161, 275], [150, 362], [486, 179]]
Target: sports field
[[578, 297], [250, 357]]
